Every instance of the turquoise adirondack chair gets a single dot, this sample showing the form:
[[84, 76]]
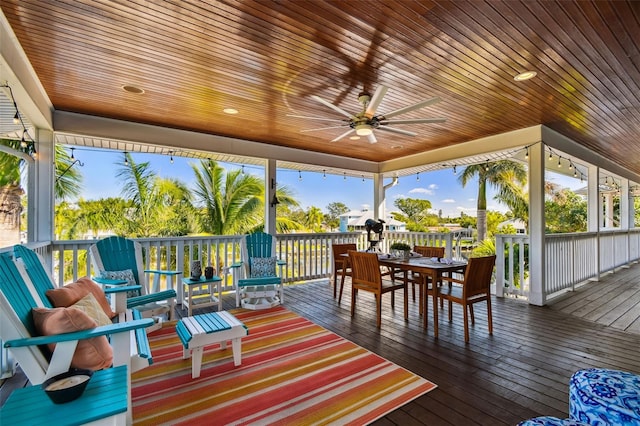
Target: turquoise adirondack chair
[[116, 254], [18, 296], [258, 286], [41, 281]]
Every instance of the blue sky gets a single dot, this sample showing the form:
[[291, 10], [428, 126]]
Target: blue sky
[[439, 187]]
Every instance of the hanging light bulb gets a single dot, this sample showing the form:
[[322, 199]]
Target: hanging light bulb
[[550, 155], [486, 166], [559, 163], [16, 118], [526, 153], [126, 160], [324, 174], [455, 172], [242, 171], [575, 173], [72, 156], [570, 165], [362, 178], [345, 175], [171, 157], [299, 176], [418, 177]]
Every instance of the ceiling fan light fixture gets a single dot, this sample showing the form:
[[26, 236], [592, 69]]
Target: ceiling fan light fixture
[[363, 130]]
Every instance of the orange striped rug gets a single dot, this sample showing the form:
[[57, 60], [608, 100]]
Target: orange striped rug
[[293, 372]]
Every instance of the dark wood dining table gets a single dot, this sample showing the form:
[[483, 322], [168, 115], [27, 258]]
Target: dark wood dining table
[[427, 267]]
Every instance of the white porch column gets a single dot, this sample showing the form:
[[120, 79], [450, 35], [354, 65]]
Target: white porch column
[[41, 189], [378, 197], [594, 210], [537, 294], [626, 206], [608, 208], [270, 182]]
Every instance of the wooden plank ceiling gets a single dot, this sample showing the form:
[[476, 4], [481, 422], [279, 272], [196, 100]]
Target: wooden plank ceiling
[[268, 58]]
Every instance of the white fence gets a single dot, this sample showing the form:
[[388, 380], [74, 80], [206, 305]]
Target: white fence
[[570, 259]]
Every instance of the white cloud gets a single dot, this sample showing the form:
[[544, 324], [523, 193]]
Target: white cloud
[[422, 191], [448, 200], [433, 187]]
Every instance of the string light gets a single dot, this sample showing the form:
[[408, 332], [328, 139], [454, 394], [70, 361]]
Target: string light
[[486, 166], [299, 176], [559, 163], [455, 172], [324, 174], [126, 160], [16, 118], [345, 175], [418, 177], [362, 178], [23, 143], [526, 153], [242, 170], [72, 156], [171, 157]]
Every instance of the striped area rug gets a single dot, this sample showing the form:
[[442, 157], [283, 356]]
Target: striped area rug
[[293, 372]]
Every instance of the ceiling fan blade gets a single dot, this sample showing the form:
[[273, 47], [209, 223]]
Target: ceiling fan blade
[[411, 107], [314, 118], [347, 133], [322, 128], [414, 121], [374, 103], [372, 138], [399, 131], [332, 106]]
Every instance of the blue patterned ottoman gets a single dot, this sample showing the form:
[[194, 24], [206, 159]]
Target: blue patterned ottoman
[[551, 421], [602, 397]]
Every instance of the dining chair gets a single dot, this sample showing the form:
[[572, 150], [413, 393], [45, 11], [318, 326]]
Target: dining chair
[[475, 287], [341, 265], [416, 278], [366, 276]]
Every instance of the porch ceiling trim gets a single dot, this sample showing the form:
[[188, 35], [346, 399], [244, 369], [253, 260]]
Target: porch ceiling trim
[[118, 130]]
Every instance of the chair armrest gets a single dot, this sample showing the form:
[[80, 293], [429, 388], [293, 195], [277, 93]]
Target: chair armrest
[[236, 265], [122, 289], [132, 302], [106, 281], [162, 272], [452, 280], [80, 335], [281, 263]]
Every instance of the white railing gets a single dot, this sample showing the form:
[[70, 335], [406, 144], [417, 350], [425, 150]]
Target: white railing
[[570, 259]]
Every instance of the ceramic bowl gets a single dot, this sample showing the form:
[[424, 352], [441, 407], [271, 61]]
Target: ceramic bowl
[[67, 386]]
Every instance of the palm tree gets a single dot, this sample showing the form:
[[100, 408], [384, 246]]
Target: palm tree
[[158, 205], [505, 175], [66, 185], [232, 200]]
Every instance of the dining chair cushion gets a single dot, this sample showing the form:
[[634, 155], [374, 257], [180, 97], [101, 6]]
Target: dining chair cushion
[[262, 266], [90, 306], [71, 293], [92, 354]]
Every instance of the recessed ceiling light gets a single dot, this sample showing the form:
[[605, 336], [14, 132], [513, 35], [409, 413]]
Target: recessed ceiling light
[[354, 138], [525, 76], [230, 111], [133, 89]]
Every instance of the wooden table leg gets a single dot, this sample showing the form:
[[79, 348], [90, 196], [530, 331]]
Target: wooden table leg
[[424, 299], [434, 291]]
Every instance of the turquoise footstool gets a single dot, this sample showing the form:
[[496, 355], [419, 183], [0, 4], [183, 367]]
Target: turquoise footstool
[[601, 397]]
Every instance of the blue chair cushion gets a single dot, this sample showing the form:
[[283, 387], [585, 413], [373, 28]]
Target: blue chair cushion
[[262, 266], [605, 397]]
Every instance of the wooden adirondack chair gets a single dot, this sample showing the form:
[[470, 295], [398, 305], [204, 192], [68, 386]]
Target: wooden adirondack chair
[[258, 286], [120, 254], [17, 298]]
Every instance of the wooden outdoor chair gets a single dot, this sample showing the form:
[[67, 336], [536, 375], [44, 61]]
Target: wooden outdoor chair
[[416, 278], [366, 276], [118, 261], [258, 285], [341, 265], [474, 288]]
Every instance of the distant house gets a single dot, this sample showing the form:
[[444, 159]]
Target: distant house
[[521, 227], [355, 219]]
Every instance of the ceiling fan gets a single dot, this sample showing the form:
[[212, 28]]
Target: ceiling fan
[[366, 121]]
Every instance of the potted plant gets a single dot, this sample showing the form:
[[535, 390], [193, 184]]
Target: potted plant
[[403, 249]]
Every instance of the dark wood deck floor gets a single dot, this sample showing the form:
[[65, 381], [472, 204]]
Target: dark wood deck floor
[[520, 372]]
